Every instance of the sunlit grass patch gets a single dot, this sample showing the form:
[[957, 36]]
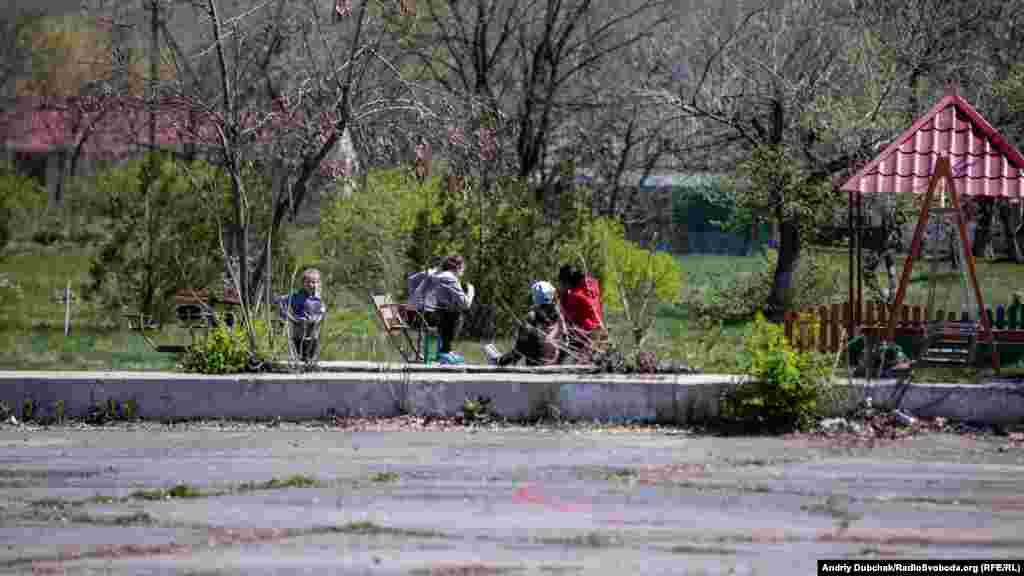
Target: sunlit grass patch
[[176, 491], [294, 481]]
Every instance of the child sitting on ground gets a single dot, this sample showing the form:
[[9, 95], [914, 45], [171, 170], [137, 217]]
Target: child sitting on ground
[[541, 334]]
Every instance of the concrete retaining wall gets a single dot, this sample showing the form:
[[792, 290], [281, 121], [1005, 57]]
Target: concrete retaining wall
[[678, 399]]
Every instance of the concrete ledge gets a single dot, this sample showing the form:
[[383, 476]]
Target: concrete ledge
[[991, 403], [389, 390]]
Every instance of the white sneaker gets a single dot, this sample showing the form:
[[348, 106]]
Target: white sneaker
[[492, 354]]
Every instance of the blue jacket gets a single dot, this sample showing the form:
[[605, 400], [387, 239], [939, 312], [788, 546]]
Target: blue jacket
[[303, 306]]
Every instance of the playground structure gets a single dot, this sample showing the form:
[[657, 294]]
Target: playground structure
[[950, 152]]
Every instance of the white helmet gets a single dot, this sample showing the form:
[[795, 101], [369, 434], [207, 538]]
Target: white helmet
[[542, 293]]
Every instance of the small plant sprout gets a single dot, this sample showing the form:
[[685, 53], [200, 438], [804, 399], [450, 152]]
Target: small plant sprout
[[384, 477], [129, 409]]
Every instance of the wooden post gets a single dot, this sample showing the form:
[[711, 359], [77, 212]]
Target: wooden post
[[838, 321], [860, 259], [850, 319], [802, 321], [848, 316], [824, 328], [67, 309]]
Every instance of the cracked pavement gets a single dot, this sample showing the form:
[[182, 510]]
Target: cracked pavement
[[492, 500]]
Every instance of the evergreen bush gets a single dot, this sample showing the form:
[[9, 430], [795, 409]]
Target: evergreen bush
[[786, 389]]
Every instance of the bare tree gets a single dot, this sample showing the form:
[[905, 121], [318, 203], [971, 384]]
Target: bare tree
[[753, 85], [527, 70], [621, 139], [929, 42], [822, 83], [293, 78]]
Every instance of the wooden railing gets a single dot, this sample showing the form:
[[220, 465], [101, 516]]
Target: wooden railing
[[824, 328]]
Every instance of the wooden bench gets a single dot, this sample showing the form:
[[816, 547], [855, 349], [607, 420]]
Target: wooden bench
[[193, 309]]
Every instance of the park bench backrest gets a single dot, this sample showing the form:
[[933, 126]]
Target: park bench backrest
[[389, 312]]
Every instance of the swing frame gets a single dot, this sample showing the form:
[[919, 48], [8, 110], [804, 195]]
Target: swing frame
[[943, 172]]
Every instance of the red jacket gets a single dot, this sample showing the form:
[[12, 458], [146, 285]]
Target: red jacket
[[582, 305]]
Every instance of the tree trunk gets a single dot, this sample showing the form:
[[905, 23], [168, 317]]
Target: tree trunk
[[789, 255], [1011, 229], [230, 142]]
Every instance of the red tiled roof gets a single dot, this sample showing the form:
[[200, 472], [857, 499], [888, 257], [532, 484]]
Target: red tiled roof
[[113, 127], [983, 162]]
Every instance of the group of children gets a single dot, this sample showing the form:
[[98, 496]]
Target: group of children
[[560, 325]]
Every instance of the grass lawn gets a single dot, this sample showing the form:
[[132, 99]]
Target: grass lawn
[[998, 281], [32, 321]]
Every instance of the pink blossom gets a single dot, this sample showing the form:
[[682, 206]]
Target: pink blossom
[[423, 158], [423, 152], [488, 143], [335, 169], [456, 137], [343, 8]]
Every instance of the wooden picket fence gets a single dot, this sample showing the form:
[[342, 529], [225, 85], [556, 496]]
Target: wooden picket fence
[[823, 328]]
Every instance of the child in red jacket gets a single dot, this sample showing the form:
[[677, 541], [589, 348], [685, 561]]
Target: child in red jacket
[[581, 305]]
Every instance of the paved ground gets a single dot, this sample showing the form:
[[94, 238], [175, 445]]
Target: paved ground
[[407, 499]]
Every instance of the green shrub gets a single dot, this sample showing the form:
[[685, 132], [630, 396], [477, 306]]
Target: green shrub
[[22, 202], [509, 242], [49, 232], [143, 262], [28, 410], [786, 389], [739, 299], [477, 411], [226, 350], [735, 296], [634, 281], [819, 280], [222, 351], [5, 227], [365, 236], [712, 201], [376, 237]]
